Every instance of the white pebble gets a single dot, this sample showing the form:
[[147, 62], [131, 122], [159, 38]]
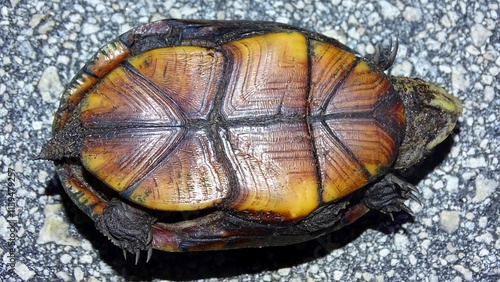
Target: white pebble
[[494, 71], [484, 252], [483, 221], [88, 28], [413, 260], [118, 18], [42, 176], [337, 275], [438, 185], [412, 14], [402, 69], [451, 183], [487, 79], [458, 79], [384, 252], [488, 93], [78, 273], [62, 59], [478, 16], [23, 271], [86, 259], [313, 268], [388, 10], [175, 13], [54, 228], [37, 125], [445, 20], [63, 276], [49, 84], [284, 271], [476, 162], [337, 34], [367, 276], [445, 68], [484, 188], [467, 274], [449, 221], [479, 35], [401, 241], [472, 50], [486, 238], [65, 258], [46, 27]]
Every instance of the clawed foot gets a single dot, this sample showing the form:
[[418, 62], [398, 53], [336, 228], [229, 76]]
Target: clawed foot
[[127, 227], [389, 195], [384, 57]]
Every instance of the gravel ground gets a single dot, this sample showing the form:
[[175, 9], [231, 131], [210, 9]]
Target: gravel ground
[[453, 236]]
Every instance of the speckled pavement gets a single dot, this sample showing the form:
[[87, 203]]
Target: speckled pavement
[[453, 236]]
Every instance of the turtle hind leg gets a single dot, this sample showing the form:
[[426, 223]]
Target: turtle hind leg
[[389, 195], [127, 227]]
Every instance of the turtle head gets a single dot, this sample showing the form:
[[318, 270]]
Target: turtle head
[[431, 114]]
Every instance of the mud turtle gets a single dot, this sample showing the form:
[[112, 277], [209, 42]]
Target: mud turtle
[[205, 135]]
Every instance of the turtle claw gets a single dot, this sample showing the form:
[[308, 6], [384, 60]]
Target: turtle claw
[[406, 209], [414, 197], [137, 255], [409, 190], [391, 216], [150, 249], [150, 253], [384, 57], [150, 238]]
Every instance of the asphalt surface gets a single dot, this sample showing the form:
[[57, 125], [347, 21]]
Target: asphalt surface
[[453, 235]]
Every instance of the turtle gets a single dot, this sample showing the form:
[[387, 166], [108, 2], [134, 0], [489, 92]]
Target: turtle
[[197, 135]]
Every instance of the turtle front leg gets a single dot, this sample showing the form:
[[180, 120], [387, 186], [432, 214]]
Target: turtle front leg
[[389, 195], [384, 57], [127, 227]]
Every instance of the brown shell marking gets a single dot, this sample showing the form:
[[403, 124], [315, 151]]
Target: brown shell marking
[[274, 167], [340, 172], [352, 145], [188, 74], [124, 98], [268, 77], [186, 128], [329, 67], [189, 178], [273, 163], [124, 156], [101, 64], [367, 140]]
